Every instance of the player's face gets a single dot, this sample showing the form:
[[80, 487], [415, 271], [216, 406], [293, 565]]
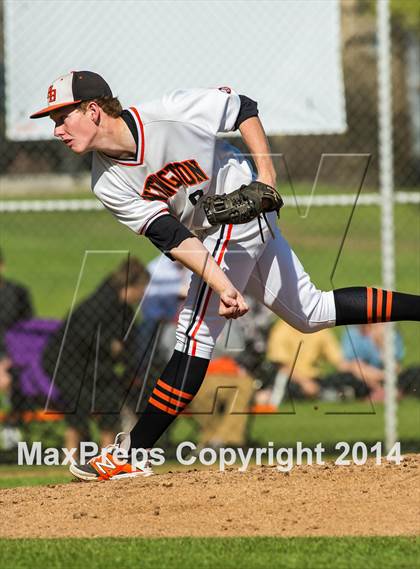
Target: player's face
[[75, 128]]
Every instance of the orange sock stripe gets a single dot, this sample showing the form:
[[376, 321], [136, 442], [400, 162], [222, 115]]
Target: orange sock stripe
[[379, 305], [165, 397], [162, 407], [369, 304], [388, 305], [175, 391]]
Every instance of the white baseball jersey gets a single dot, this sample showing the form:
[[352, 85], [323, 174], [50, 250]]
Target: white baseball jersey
[[179, 159]]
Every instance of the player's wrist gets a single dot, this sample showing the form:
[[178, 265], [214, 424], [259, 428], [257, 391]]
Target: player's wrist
[[221, 284], [268, 177]]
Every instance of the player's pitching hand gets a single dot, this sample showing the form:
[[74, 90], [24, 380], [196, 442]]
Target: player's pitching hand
[[232, 304]]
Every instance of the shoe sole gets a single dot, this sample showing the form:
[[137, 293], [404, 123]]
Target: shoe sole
[[82, 475]]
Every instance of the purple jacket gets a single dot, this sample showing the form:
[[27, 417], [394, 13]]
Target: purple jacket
[[25, 343]]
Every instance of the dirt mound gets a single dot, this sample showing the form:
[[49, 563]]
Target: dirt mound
[[310, 500]]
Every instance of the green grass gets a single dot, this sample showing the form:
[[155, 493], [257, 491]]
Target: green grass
[[313, 423], [213, 553], [12, 476], [78, 193], [317, 238], [46, 251], [329, 423], [310, 424], [19, 476]]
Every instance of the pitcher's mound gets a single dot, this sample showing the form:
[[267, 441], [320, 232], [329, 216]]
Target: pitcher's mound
[[310, 500]]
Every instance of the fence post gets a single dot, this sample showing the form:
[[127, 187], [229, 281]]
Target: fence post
[[386, 182]]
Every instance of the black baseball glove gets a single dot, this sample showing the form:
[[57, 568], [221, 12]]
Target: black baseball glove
[[243, 205]]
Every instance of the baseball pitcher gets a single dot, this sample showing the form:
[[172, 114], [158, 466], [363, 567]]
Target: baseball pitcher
[[160, 168]]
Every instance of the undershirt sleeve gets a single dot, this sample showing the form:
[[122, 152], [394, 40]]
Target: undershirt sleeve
[[248, 109], [166, 233]]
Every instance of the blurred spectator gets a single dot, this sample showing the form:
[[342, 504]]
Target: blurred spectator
[[15, 302], [222, 404], [221, 407], [167, 288], [15, 306], [82, 356], [255, 326], [409, 381], [364, 345], [300, 357]]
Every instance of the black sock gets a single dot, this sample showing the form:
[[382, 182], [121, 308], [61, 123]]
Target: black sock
[[365, 305], [175, 388]]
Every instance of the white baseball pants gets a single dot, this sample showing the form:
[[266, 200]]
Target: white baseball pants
[[268, 271]]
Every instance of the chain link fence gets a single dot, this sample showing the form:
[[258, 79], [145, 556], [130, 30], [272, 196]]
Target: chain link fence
[[62, 249]]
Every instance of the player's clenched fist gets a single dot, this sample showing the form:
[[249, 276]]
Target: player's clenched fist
[[232, 304]]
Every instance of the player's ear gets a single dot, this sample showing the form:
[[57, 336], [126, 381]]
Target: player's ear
[[93, 111]]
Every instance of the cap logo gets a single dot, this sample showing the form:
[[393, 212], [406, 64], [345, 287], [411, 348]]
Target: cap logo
[[52, 94]]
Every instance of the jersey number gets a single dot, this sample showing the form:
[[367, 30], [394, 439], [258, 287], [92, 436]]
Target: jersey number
[[195, 196]]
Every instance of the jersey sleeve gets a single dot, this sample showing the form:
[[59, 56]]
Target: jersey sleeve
[[215, 110], [130, 208], [166, 233]]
